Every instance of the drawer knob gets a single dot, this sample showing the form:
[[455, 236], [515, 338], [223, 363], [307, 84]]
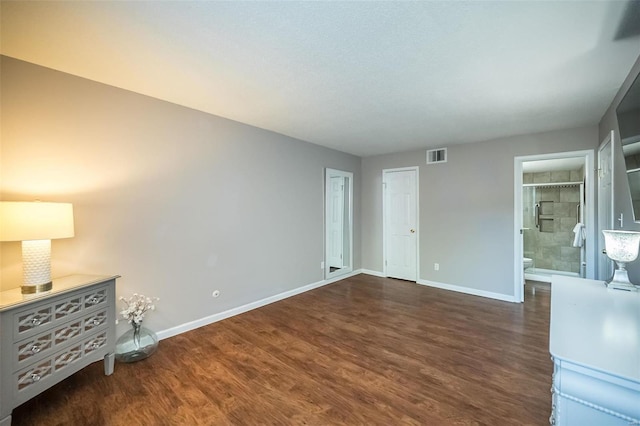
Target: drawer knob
[[35, 349], [35, 377], [97, 322], [93, 301], [36, 321], [95, 345]]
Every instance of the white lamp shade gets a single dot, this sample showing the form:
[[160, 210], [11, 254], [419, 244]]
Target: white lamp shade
[[24, 221]]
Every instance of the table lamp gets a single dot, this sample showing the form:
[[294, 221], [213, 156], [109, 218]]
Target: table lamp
[[35, 224]]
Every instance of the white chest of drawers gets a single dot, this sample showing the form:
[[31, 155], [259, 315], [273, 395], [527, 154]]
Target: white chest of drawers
[[46, 338], [595, 346]]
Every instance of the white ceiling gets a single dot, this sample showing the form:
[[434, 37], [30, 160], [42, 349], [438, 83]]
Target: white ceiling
[[363, 77]]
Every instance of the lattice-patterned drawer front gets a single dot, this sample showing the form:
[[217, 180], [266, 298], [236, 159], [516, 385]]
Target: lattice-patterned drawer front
[[67, 332], [27, 350], [68, 307], [33, 375], [68, 357], [25, 322], [94, 321], [95, 342], [95, 298]]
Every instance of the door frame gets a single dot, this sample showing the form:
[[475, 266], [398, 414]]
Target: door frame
[[589, 214], [610, 139], [416, 169], [349, 210]]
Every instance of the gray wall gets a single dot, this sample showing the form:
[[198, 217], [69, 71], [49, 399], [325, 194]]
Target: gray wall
[[178, 202], [466, 207], [622, 197]]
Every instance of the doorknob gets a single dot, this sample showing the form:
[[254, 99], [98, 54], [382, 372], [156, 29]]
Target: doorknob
[[604, 251], [413, 231]]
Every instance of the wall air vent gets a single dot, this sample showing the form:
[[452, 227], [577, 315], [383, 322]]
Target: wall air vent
[[437, 156]]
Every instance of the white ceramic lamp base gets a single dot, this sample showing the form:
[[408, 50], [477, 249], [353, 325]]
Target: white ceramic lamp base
[[36, 266]]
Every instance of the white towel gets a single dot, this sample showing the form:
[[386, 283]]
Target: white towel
[[580, 236]]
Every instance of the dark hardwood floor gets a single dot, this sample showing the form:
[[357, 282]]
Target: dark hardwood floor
[[362, 351]]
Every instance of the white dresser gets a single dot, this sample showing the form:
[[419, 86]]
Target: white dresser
[[595, 347], [46, 338]]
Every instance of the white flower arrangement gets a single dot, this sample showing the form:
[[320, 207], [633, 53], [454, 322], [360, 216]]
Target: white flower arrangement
[[137, 306]]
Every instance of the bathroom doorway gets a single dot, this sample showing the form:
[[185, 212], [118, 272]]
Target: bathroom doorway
[[554, 217]]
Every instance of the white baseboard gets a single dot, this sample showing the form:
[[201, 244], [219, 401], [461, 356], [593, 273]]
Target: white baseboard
[[459, 289], [472, 291], [192, 325], [371, 272]]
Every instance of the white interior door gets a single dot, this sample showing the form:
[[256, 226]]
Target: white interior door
[[401, 223], [605, 204], [335, 223]]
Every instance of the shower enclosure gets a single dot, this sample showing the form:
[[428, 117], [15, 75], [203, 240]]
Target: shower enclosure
[[551, 212]]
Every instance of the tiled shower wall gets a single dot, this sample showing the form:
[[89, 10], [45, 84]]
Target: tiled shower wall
[[552, 249]]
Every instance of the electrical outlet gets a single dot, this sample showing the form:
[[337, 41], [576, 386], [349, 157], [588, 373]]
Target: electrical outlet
[[436, 266], [216, 293], [322, 265]]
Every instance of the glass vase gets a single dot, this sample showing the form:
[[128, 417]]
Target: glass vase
[[136, 344]]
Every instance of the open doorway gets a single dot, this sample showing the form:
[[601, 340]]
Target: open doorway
[[554, 217]]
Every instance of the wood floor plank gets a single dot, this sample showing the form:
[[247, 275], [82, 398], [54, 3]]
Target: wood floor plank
[[362, 351]]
